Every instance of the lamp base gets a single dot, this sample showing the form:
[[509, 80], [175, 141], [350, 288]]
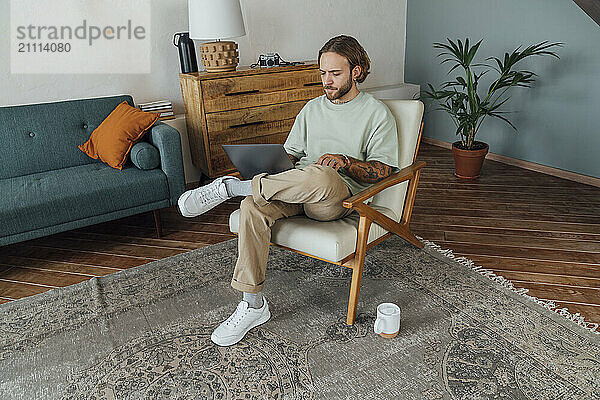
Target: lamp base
[[219, 56]]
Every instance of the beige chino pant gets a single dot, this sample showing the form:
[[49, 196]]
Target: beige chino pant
[[316, 190]]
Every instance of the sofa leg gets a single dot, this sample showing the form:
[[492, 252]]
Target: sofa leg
[[157, 223]]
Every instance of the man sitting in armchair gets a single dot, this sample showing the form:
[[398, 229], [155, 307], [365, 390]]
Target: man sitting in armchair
[[341, 143]]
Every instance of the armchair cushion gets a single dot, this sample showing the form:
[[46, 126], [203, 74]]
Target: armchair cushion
[[408, 114], [332, 241]]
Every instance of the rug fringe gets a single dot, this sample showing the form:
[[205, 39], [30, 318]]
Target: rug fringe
[[548, 304]]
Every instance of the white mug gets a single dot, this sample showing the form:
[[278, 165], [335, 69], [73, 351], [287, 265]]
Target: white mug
[[387, 323]]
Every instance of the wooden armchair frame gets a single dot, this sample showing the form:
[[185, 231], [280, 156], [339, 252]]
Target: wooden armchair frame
[[368, 215]]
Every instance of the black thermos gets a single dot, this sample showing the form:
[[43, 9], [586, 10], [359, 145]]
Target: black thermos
[[187, 52]]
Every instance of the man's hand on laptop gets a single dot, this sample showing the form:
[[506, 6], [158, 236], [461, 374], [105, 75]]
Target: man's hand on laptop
[[293, 159], [335, 161]]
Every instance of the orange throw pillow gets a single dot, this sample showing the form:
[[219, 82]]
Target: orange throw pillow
[[113, 139]]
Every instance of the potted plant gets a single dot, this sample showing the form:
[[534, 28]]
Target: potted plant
[[467, 108]]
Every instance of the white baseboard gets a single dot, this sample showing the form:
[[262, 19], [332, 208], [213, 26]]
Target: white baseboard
[[559, 173]]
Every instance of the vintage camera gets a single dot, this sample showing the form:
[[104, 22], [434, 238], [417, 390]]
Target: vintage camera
[[269, 60]]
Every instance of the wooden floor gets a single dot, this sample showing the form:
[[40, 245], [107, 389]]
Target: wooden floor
[[541, 232]]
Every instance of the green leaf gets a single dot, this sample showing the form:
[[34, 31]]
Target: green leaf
[[460, 97], [472, 51], [497, 115]]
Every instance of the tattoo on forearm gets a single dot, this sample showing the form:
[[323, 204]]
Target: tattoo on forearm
[[368, 171]]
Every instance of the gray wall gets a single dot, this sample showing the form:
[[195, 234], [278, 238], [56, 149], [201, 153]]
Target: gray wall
[[558, 119], [296, 29]]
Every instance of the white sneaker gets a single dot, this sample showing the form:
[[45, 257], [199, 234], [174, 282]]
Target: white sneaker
[[244, 318], [198, 201]]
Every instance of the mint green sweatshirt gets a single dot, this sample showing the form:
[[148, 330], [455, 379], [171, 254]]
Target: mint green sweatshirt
[[363, 128]]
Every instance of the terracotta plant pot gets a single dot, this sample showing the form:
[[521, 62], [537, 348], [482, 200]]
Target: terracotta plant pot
[[467, 163]]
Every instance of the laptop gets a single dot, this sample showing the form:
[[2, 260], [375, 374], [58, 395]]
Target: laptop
[[253, 159]]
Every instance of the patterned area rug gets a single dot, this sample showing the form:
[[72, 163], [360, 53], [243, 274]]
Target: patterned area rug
[[144, 333]]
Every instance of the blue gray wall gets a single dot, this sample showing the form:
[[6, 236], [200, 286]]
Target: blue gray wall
[[559, 118]]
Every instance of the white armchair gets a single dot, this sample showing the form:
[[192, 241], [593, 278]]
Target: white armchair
[[382, 210]]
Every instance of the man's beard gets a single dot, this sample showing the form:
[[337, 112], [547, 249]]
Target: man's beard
[[345, 88]]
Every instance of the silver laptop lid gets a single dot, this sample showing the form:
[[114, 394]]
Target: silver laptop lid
[[253, 159]]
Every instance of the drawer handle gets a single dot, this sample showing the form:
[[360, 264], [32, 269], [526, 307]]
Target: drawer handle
[[244, 92], [246, 124], [313, 84]]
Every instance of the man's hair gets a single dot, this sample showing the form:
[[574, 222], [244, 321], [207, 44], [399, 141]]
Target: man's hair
[[349, 48]]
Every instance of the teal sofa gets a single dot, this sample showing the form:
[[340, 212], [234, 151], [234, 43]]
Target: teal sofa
[[48, 185]]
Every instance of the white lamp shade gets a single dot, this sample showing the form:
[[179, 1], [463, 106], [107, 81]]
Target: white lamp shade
[[215, 19]]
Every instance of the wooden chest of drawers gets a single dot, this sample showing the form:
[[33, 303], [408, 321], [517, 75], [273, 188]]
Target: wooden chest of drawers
[[243, 106]]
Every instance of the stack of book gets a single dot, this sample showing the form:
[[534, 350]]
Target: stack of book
[[163, 107]]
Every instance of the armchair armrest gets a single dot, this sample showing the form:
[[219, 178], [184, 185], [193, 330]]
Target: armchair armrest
[[166, 139], [403, 175]]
